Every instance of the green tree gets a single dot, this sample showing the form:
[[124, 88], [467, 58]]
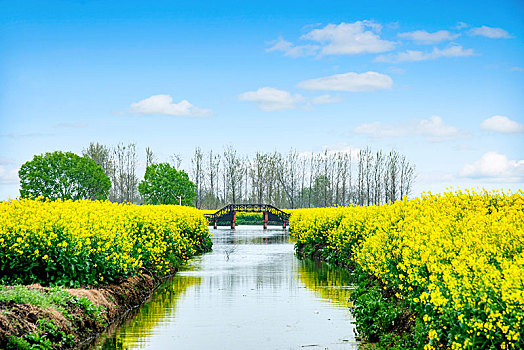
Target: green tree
[[63, 175], [163, 184]]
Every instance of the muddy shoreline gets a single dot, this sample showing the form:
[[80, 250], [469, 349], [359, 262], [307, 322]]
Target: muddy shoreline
[[72, 326]]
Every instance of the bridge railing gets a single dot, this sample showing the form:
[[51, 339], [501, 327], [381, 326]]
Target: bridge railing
[[253, 208]]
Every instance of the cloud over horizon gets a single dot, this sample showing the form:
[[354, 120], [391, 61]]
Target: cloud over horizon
[[291, 50], [355, 38], [494, 166], [424, 37], [503, 125], [415, 55], [351, 82], [433, 129], [163, 104], [490, 32], [270, 99]]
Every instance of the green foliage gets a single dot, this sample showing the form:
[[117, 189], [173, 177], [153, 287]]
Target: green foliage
[[95, 313], [249, 219], [47, 336], [56, 297], [24, 295], [375, 316], [163, 184], [16, 343], [60, 175]]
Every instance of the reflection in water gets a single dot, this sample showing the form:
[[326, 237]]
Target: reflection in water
[[141, 325], [329, 282], [232, 237], [250, 292]]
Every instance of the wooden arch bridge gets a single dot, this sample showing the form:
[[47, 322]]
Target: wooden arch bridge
[[229, 214]]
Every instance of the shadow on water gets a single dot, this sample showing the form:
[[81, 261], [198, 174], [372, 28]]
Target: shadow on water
[[250, 292]]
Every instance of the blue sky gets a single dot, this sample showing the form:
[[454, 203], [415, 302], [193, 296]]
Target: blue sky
[[441, 82]]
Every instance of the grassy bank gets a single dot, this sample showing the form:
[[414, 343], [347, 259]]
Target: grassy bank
[[438, 271], [113, 255], [36, 317]]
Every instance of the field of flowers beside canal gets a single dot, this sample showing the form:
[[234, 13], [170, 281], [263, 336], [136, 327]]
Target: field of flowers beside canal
[[115, 253], [447, 268], [75, 243]]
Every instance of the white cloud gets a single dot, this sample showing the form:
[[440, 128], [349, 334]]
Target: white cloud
[[490, 32], [433, 129], [350, 38], [270, 99], [325, 99], [495, 166], [413, 55], [423, 37], [502, 124], [337, 39], [354, 82], [293, 50], [163, 104]]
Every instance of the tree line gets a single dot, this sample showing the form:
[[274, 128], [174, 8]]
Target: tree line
[[286, 180], [294, 180]]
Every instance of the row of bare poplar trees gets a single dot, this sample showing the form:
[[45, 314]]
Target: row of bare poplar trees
[[291, 180], [120, 164], [296, 180]]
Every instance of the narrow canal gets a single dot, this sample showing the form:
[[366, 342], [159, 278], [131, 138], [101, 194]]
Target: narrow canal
[[250, 292]]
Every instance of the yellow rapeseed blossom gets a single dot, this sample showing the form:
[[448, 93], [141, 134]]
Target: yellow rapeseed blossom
[[457, 258], [81, 242]]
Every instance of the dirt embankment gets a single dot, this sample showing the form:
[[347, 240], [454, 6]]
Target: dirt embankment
[[74, 323]]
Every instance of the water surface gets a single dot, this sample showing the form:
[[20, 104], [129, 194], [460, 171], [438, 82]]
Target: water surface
[[250, 292]]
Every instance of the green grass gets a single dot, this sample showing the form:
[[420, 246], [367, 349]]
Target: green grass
[[48, 335], [56, 296]]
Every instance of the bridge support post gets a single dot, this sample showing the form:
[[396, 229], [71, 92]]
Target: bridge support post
[[234, 220], [265, 220], [215, 224]]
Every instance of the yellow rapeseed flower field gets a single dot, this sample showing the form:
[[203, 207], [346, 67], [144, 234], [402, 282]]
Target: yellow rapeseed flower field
[[457, 260], [87, 242]]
